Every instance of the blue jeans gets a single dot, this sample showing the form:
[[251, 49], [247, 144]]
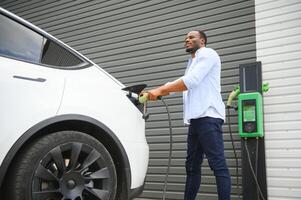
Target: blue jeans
[[205, 137]]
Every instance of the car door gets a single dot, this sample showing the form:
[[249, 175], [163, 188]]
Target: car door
[[29, 91]]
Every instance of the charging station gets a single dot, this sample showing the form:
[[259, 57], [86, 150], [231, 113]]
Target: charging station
[[250, 120], [251, 131]]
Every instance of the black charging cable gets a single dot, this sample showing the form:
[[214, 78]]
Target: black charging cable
[[234, 150], [170, 149], [256, 163], [143, 98], [252, 170]]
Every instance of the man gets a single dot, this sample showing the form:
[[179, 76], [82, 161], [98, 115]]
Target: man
[[204, 112]]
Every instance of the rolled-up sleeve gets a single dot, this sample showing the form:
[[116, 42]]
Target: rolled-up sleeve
[[194, 77]]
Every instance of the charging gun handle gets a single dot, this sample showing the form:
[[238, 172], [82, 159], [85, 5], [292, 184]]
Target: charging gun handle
[[232, 96], [143, 98]]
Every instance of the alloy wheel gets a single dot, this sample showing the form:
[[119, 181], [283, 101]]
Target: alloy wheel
[[72, 171]]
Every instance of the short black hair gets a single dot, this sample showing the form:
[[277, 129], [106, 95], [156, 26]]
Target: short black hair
[[203, 35]]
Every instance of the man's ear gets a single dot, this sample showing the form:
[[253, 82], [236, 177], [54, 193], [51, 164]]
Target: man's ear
[[202, 41]]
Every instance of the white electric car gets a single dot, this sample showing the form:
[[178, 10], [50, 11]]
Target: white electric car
[[68, 130]]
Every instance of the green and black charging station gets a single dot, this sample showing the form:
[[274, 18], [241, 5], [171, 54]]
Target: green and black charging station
[[251, 130], [250, 120]]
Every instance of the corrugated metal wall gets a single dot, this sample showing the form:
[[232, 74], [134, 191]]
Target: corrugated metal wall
[[278, 29], [142, 42]]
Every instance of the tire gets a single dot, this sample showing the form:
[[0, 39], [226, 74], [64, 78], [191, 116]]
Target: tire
[[65, 165]]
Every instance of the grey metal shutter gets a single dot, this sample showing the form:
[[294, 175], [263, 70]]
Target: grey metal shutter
[[142, 42]]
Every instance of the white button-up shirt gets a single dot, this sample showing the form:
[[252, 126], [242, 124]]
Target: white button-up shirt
[[202, 79]]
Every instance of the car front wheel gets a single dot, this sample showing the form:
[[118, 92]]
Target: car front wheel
[[65, 165]]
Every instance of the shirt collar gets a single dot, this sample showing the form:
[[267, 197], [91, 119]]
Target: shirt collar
[[197, 54], [199, 51]]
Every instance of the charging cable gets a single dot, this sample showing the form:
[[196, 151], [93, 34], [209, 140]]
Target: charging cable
[[143, 98], [252, 170], [170, 149], [234, 150]]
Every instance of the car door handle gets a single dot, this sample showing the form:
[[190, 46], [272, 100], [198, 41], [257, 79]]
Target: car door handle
[[30, 79]]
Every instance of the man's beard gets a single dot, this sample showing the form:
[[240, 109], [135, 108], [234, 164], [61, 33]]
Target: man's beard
[[192, 50]]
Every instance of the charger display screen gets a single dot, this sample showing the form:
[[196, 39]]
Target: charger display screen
[[249, 113]]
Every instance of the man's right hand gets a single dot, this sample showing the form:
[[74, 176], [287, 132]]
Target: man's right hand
[[154, 94]]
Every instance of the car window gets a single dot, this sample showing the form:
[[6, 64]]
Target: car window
[[18, 41], [55, 55]]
